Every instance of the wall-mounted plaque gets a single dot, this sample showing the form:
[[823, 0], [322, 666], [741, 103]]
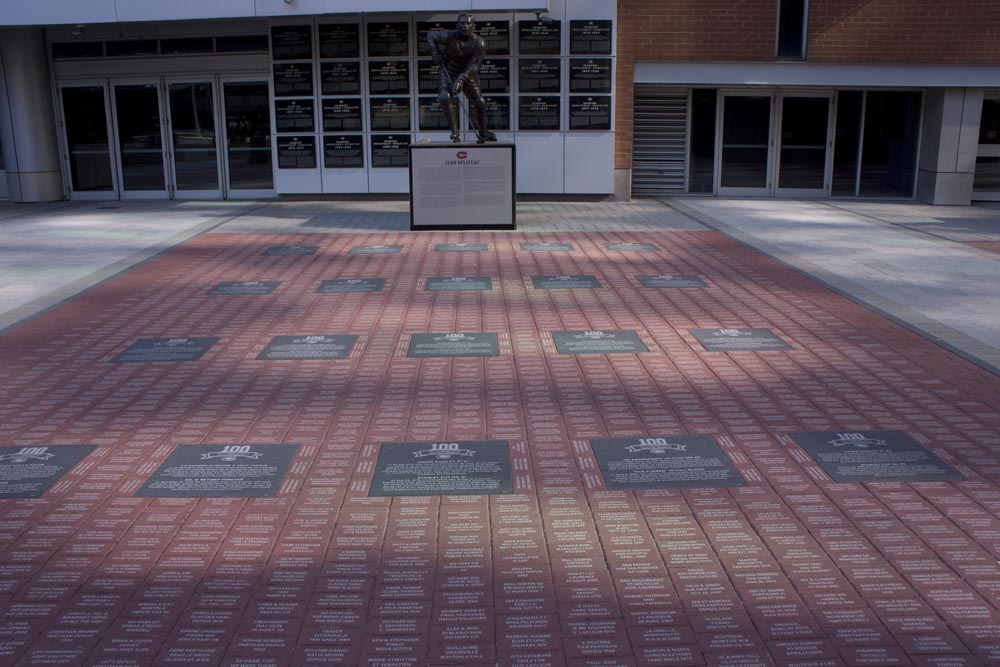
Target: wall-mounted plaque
[[388, 77], [459, 284], [874, 456], [290, 250], [390, 113], [538, 113], [390, 150], [294, 116], [343, 152], [442, 468], [430, 115], [308, 347], [342, 115], [293, 79], [590, 112], [541, 38], [494, 76], [425, 27], [296, 152], [386, 40], [485, 344], [291, 42], [496, 34], [428, 73], [539, 75], [340, 78], [340, 40], [498, 112], [590, 75], [220, 471], [663, 462], [565, 282], [736, 340], [351, 285], [598, 342], [28, 472], [671, 282], [590, 37], [165, 349], [245, 287]]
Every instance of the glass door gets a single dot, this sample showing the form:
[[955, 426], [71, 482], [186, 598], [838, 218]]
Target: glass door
[[142, 163], [194, 152], [86, 131], [986, 183], [248, 164], [745, 149], [803, 159]]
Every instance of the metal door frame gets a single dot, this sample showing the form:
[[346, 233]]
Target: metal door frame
[[114, 194], [168, 189], [229, 192], [176, 193], [831, 119], [768, 189]]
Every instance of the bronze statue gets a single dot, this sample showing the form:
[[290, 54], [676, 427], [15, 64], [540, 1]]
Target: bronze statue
[[460, 52]]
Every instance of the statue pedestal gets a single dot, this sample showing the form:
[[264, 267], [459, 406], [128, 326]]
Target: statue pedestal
[[462, 186]]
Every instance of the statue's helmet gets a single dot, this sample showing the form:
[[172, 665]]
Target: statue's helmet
[[466, 23]]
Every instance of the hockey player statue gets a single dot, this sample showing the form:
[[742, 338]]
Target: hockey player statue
[[459, 53]]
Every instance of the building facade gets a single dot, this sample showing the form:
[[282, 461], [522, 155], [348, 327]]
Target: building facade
[[123, 99]]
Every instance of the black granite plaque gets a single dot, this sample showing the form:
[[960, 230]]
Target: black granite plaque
[[590, 37], [428, 74], [294, 116], [442, 468], [498, 112], [459, 284], [874, 456], [340, 40], [386, 40], [296, 152], [344, 152], [28, 472], [245, 287], [219, 471], [735, 340], [342, 115], [545, 247], [484, 344], [541, 38], [597, 342], [631, 247], [165, 349], [669, 281], [376, 249], [290, 250], [346, 285], [430, 115], [425, 27], [392, 150], [390, 113], [590, 113], [538, 113], [340, 78], [308, 347], [539, 75], [293, 79], [494, 76], [291, 42], [496, 34], [565, 282], [461, 247], [388, 77], [590, 75], [663, 462]]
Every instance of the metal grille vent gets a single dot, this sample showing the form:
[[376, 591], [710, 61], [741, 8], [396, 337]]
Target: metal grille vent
[[659, 150]]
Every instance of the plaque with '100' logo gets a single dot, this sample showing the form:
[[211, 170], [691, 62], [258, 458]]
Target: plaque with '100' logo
[[220, 471], [442, 468]]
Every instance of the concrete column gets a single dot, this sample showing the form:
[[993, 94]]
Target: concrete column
[[27, 117], [948, 145]]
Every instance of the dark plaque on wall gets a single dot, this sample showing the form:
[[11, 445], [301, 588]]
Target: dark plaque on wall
[[496, 34], [296, 152], [539, 75], [386, 40], [539, 38], [340, 40], [663, 462], [631, 247], [294, 116], [671, 281], [874, 456], [538, 113], [165, 349], [442, 468], [388, 77], [290, 250], [459, 284], [565, 282], [308, 347], [424, 27], [494, 76], [390, 150], [590, 113], [390, 113], [545, 247], [484, 344], [220, 471], [293, 79], [498, 112], [590, 37], [590, 75], [342, 115], [430, 115], [245, 287], [28, 472], [349, 285], [427, 77], [291, 42], [461, 247], [598, 342], [343, 152], [340, 78], [376, 249], [736, 340]]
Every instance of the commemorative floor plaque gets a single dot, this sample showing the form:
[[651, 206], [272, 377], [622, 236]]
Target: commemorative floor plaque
[[219, 471], [461, 247], [462, 186], [598, 342], [376, 249], [442, 468], [565, 282], [308, 347], [343, 285], [546, 247], [165, 349], [874, 456], [290, 250], [245, 287], [459, 284], [483, 344], [671, 282], [737, 340], [631, 247], [663, 462], [28, 472]]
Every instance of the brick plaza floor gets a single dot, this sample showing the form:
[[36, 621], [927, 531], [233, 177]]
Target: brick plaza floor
[[791, 568]]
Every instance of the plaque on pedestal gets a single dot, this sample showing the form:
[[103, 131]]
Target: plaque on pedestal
[[462, 186]]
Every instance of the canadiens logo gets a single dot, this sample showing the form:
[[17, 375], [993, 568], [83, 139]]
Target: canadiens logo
[[443, 450], [856, 440], [28, 454], [230, 453], [461, 155], [656, 446]]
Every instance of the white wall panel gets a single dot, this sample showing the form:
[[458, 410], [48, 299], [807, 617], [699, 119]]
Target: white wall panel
[[297, 181], [590, 163], [338, 181], [540, 165], [171, 10], [389, 180], [40, 12]]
